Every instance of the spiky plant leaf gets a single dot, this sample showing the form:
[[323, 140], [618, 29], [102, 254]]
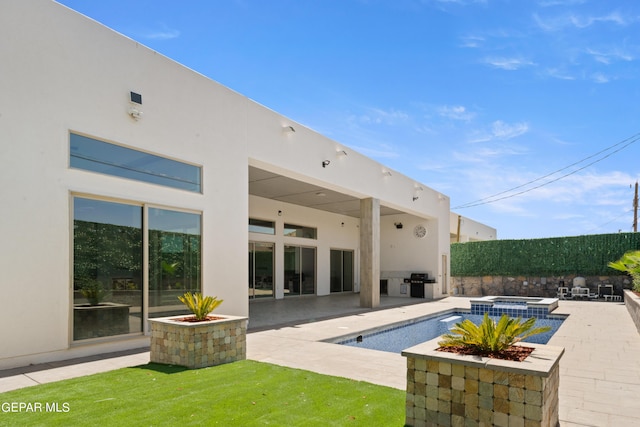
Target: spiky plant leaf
[[200, 306], [491, 336], [629, 263]]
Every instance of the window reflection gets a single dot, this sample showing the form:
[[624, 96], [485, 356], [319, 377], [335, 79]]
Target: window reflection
[[260, 269], [299, 270], [174, 259], [108, 263], [98, 156], [107, 269]]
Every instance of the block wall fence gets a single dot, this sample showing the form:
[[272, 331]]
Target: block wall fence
[[530, 286]]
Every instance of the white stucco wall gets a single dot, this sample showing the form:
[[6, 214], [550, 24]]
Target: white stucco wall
[[62, 72], [470, 230]]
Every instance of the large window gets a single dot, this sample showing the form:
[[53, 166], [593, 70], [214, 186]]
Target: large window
[[261, 226], [299, 270], [293, 230], [109, 261], [174, 259], [110, 159], [341, 271]]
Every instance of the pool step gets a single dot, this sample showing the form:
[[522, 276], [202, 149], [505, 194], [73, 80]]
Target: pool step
[[451, 321]]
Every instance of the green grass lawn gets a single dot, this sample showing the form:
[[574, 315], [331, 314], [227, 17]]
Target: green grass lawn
[[244, 393]]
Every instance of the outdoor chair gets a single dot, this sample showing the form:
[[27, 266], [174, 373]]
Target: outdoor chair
[[579, 292], [564, 293], [606, 291]]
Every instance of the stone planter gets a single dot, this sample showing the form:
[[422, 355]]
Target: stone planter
[[102, 320], [198, 344], [632, 302], [448, 389]]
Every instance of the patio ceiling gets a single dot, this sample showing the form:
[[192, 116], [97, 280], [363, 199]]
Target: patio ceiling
[[277, 187]]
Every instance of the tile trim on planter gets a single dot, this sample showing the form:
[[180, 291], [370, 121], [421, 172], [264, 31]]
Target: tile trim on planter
[[451, 389], [198, 344]]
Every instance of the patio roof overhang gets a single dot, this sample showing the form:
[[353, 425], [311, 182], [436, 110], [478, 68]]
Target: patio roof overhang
[[263, 183]]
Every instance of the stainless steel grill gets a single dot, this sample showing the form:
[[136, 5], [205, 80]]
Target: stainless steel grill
[[417, 281]]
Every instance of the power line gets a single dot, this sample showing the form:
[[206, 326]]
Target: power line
[[610, 221], [491, 199]]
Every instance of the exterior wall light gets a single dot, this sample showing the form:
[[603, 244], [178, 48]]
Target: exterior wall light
[[135, 101], [135, 113]]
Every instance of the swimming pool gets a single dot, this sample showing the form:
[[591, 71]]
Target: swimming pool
[[396, 338]]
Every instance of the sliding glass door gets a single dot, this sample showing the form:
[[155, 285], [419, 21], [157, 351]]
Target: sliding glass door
[[107, 269], [109, 261], [174, 259], [341, 269], [299, 270], [261, 269]]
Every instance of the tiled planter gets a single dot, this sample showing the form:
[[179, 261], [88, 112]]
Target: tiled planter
[[448, 389], [632, 301], [198, 344]]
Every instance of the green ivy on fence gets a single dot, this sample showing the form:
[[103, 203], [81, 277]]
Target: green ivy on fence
[[557, 256]]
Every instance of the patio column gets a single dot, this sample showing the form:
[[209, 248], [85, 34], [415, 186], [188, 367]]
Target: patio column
[[369, 253]]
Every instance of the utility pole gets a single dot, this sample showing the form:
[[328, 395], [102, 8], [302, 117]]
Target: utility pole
[[635, 210]]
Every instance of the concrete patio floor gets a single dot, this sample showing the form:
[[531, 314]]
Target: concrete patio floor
[[599, 372]]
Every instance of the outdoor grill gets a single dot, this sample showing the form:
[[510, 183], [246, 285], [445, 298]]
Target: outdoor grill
[[417, 281]]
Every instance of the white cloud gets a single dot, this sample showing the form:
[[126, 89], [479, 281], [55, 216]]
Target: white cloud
[[472, 41], [462, 2], [560, 22], [164, 33], [456, 112], [380, 116], [499, 130], [503, 130], [509, 64], [600, 78], [548, 3], [559, 74], [581, 189], [606, 57], [587, 21]]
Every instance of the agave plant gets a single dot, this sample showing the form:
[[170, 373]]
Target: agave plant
[[491, 336], [200, 306], [629, 263], [93, 291]]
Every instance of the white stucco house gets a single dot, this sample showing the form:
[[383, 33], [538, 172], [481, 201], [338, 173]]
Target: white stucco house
[[127, 179], [464, 229]]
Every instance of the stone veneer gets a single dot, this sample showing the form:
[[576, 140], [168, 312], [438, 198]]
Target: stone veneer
[[198, 344], [447, 389], [531, 286], [632, 301]]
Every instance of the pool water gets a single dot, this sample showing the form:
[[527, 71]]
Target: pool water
[[397, 338]]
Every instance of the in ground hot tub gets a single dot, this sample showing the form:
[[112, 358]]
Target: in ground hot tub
[[514, 306]]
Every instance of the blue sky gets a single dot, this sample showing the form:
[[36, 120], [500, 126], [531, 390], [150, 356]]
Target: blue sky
[[473, 98]]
